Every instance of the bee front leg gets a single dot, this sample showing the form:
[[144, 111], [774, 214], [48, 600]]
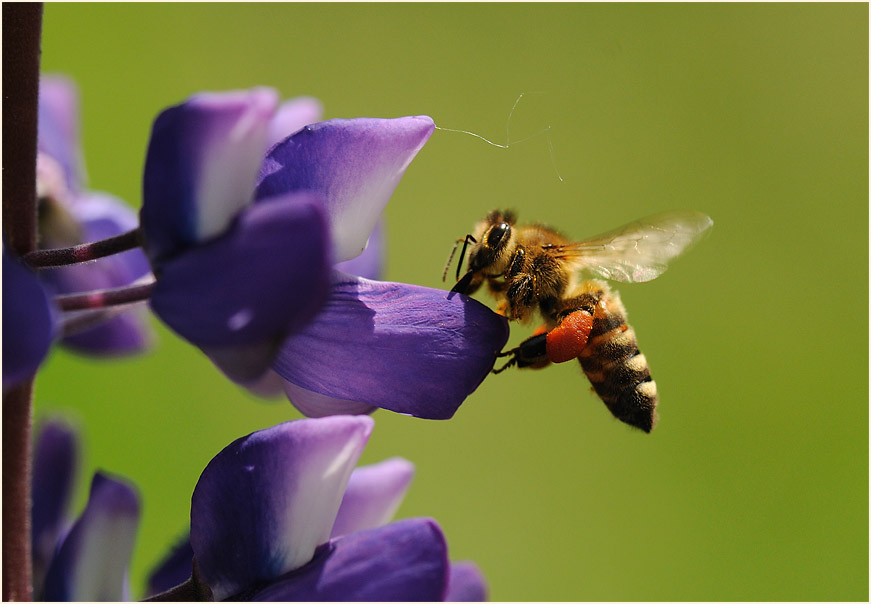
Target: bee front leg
[[520, 296]]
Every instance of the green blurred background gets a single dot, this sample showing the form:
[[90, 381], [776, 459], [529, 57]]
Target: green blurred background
[[755, 483]]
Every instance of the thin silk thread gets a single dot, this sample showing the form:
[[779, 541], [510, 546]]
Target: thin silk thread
[[509, 142]]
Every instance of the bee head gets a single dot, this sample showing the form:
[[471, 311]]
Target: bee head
[[495, 244], [492, 246]]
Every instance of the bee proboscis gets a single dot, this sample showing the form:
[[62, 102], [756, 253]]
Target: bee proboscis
[[533, 268]]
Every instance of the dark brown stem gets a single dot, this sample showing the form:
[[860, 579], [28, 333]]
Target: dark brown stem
[[22, 27], [17, 567], [21, 30], [105, 297], [84, 252]]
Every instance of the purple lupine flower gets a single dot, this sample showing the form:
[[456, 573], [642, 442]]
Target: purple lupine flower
[[403, 561], [55, 461], [58, 129], [315, 530], [87, 561], [70, 215], [233, 278], [372, 496], [293, 115], [243, 289], [466, 583], [91, 563], [405, 348], [370, 263], [401, 347], [28, 322]]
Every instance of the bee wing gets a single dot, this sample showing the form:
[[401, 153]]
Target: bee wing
[[638, 251]]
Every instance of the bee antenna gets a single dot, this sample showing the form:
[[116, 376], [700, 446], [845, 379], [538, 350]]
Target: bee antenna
[[463, 253], [450, 258], [453, 251]]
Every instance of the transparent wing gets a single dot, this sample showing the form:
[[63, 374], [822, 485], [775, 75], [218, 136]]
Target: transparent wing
[[638, 251]]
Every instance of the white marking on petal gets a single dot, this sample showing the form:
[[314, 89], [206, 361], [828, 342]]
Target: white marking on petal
[[315, 498], [233, 153], [240, 319]]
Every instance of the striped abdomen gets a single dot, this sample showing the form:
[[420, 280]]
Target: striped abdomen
[[614, 365]]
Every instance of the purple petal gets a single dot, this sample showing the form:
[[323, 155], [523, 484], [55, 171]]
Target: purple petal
[[355, 164], [28, 322], [265, 278], [122, 335], [466, 583], [404, 561], [244, 363], [91, 565], [267, 501], [58, 129], [291, 116], [314, 404], [369, 264], [269, 386], [100, 216], [373, 496], [406, 348], [51, 180], [201, 167], [173, 570], [54, 468]]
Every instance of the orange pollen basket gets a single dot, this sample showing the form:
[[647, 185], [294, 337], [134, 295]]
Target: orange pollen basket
[[566, 341]]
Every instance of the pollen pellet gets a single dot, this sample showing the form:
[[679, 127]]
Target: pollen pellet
[[566, 341]]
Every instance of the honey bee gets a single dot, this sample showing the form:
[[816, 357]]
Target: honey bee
[[535, 268]]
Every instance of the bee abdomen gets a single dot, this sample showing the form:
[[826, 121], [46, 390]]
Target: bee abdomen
[[618, 371]]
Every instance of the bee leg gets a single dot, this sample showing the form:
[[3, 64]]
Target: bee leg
[[521, 296], [496, 285], [532, 353], [511, 361]]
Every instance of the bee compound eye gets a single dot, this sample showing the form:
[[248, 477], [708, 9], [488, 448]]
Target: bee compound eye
[[498, 233]]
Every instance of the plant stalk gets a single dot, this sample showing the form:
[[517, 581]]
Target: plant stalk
[[105, 297], [84, 252], [22, 27]]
